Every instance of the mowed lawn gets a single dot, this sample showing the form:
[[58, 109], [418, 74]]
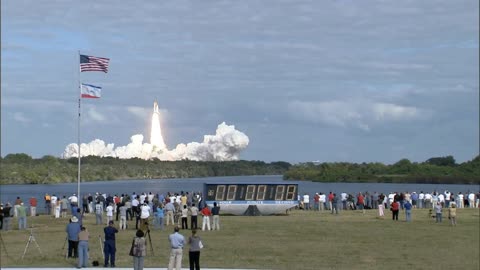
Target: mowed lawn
[[300, 240]]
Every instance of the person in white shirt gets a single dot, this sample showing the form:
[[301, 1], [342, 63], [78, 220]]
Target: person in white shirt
[[142, 198], [471, 200], [144, 215], [323, 200], [391, 197], [421, 200], [441, 199], [53, 203], [73, 202], [447, 198], [150, 197], [428, 200], [109, 210], [306, 201], [460, 199], [343, 197]]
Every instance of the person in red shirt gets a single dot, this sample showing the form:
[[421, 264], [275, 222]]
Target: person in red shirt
[[394, 207], [330, 199], [206, 213], [33, 206], [316, 202], [361, 202]]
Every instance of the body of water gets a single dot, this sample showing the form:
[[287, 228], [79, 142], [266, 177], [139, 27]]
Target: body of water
[[8, 193]]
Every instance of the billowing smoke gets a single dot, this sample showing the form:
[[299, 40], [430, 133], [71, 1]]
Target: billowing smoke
[[226, 144]]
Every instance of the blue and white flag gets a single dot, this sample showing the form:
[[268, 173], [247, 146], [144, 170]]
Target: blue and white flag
[[90, 91]]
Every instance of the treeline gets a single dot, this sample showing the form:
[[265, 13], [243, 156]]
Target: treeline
[[437, 170], [23, 169]]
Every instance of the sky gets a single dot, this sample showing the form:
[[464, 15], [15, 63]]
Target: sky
[[305, 80]]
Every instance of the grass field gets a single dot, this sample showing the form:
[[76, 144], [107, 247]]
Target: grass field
[[301, 240]]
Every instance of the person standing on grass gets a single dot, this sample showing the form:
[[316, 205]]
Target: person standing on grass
[[395, 207], [48, 199], [139, 250], [194, 251], [206, 218], [361, 202], [438, 212], [83, 247], [316, 202], [22, 217], [452, 214], [144, 216], [123, 216], [216, 217], [170, 208], [408, 211], [18, 201], [193, 217], [330, 198], [159, 216], [1, 216], [73, 229], [98, 212], [306, 201], [33, 206], [7, 216], [335, 204], [177, 241], [109, 210], [64, 207], [109, 248], [185, 217]]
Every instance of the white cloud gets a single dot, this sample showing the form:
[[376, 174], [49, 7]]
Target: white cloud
[[362, 114], [226, 144], [20, 117], [386, 112], [95, 115]]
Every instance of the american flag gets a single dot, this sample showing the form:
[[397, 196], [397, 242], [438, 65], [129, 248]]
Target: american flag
[[93, 63]]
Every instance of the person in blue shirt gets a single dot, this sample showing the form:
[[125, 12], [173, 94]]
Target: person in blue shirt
[[159, 215], [177, 241], [109, 244], [73, 228], [408, 210]]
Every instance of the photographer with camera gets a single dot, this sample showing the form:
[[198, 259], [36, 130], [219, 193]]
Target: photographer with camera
[[144, 215]]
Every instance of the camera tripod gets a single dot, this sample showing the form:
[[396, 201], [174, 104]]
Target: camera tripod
[[3, 245], [31, 238], [63, 248], [149, 237]]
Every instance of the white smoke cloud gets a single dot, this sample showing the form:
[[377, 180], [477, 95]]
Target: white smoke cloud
[[226, 144]]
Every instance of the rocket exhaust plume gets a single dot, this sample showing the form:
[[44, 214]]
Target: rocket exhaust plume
[[156, 139], [225, 144]]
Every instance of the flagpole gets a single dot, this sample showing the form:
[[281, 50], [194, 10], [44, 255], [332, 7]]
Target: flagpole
[[78, 130]]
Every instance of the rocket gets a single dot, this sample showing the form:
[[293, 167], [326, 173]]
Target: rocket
[[155, 107], [156, 138]]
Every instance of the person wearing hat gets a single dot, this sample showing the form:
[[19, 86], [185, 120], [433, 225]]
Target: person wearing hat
[[73, 229], [22, 217], [109, 248]]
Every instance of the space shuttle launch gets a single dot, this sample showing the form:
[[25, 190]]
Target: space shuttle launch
[[225, 144], [156, 138]]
